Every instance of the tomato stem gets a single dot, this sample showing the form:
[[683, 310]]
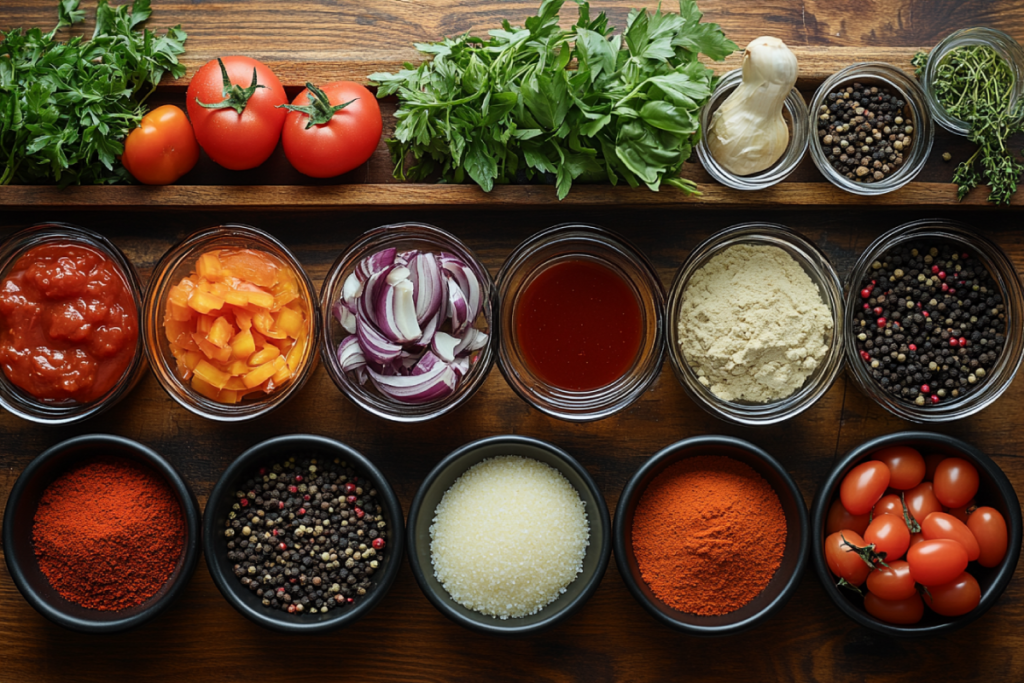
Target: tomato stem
[[867, 553], [235, 96], [320, 110], [912, 524], [843, 583]]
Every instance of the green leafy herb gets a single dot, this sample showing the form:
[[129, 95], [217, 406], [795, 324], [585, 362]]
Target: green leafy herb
[[65, 108], [974, 84], [507, 109]]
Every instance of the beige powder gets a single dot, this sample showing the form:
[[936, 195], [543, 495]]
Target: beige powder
[[753, 325]]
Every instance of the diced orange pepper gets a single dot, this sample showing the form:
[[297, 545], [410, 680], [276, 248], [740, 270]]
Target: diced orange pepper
[[221, 332], [264, 372], [264, 324], [178, 313], [229, 396], [260, 299], [192, 359], [282, 299], [290, 321], [253, 266], [208, 373], [242, 345], [282, 375], [296, 353], [204, 388], [236, 383], [204, 324], [264, 355], [221, 355], [175, 330], [202, 302], [208, 266]]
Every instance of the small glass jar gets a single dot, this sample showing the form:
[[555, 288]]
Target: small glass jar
[[1003, 44], [179, 262], [877, 74], [796, 119], [1002, 271], [20, 402], [575, 242], [405, 236], [818, 268]]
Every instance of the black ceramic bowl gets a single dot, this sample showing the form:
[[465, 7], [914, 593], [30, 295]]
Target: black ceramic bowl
[[441, 478], [244, 467], [794, 558], [20, 553], [994, 491]]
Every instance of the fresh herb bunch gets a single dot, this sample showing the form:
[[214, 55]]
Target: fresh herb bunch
[[65, 108], [509, 110], [974, 84]]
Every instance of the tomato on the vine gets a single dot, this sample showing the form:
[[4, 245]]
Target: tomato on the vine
[[989, 528], [956, 482], [904, 612], [839, 518], [844, 560], [162, 149], [938, 561], [906, 466], [863, 486], [237, 125], [894, 582], [945, 525], [890, 535], [957, 597]]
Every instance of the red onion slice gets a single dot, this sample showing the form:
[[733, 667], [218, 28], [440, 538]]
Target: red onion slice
[[444, 345], [469, 283], [351, 290], [428, 286], [472, 340], [396, 312], [437, 383], [376, 347], [375, 263], [458, 309], [350, 354], [461, 367]]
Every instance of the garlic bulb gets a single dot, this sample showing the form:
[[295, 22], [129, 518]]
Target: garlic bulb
[[747, 133]]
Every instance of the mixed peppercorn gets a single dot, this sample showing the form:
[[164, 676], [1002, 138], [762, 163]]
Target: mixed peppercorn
[[306, 535], [932, 323], [864, 132]]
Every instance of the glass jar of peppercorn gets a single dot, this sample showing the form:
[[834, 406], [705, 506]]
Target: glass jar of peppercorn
[[872, 129], [934, 328]]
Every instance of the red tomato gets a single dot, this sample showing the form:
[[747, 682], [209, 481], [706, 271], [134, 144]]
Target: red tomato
[[957, 597], [863, 486], [989, 528], [921, 501], [906, 466], [930, 463], [915, 539], [936, 562], [945, 525], [243, 132], [890, 535], [963, 512], [894, 583], [839, 519], [905, 612], [162, 149], [956, 482], [333, 130], [842, 560], [889, 504]]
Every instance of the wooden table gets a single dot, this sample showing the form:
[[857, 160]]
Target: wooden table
[[612, 637]]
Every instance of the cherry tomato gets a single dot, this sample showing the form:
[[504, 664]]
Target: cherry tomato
[[937, 561], [921, 501], [332, 130], [243, 131], [945, 525], [863, 486], [162, 149], [894, 582], [842, 560], [905, 612], [906, 466], [889, 504], [989, 528], [957, 597], [930, 463], [956, 482], [890, 535], [915, 539], [964, 511], [839, 519]]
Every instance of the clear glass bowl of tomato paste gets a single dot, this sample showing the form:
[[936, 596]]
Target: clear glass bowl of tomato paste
[[70, 324], [582, 322], [246, 323]]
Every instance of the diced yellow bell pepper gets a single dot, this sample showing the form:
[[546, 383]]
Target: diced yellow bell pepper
[[282, 375], [260, 299], [264, 372], [208, 373], [264, 324], [242, 345], [290, 321], [229, 396], [192, 359], [204, 324], [204, 388], [221, 332], [236, 384], [203, 302], [175, 330], [264, 355], [296, 353], [179, 313], [221, 355]]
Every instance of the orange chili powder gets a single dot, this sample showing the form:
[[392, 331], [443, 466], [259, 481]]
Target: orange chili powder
[[708, 534]]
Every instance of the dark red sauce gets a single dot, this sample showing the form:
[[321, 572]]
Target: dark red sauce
[[578, 325]]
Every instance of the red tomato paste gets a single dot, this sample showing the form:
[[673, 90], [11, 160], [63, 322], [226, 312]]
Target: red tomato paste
[[70, 323], [578, 325]]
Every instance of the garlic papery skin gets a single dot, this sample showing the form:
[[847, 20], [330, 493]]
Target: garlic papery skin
[[747, 133]]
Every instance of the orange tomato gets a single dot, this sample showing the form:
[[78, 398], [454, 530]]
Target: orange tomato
[[162, 149]]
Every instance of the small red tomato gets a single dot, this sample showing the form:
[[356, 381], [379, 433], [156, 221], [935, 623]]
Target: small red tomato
[[906, 466], [162, 149], [930, 463], [989, 528], [915, 539], [956, 482], [964, 511], [332, 130], [839, 519], [904, 612], [936, 562], [921, 501], [890, 535], [894, 583], [889, 504], [863, 486], [842, 560], [957, 597], [945, 525]]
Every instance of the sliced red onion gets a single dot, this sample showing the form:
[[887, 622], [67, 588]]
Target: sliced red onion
[[376, 347], [438, 382], [428, 286], [469, 283], [366, 304], [472, 340], [426, 364], [352, 288], [375, 263], [458, 309], [431, 328], [350, 354], [361, 375], [461, 366], [444, 346], [407, 361], [396, 312]]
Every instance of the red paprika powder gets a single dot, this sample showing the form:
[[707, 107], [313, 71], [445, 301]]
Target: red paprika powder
[[108, 534], [708, 534]]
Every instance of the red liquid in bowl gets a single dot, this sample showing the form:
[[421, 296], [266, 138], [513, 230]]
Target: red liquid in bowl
[[578, 325]]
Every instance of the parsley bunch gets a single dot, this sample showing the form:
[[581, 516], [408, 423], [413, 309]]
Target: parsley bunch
[[509, 109], [65, 108]]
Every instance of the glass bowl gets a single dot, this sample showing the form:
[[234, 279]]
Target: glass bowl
[[876, 74], [574, 242], [1004, 45], [1001, 270], [799, 131], [179, 262], [818, 268], [20, 402], [404, 236]]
